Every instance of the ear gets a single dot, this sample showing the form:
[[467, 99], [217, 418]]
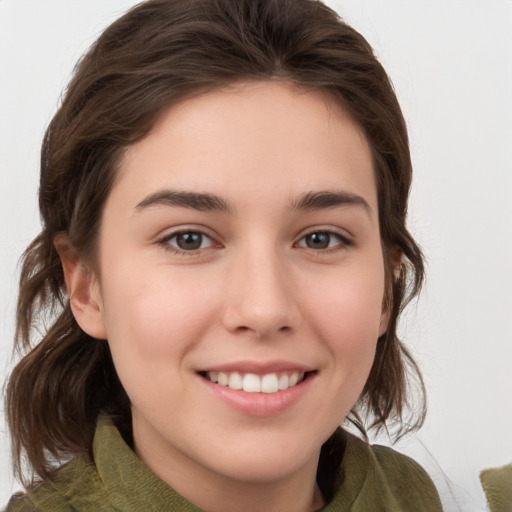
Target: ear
[[387, 303], [83, 289]]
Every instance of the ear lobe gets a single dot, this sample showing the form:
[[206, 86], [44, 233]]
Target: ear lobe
[[83, 289], [396, 261], [384, 321], [387, 304]]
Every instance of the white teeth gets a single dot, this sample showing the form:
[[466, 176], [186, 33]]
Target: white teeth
[[269, 383], [223, 379], [252, 383], [283, 382], [235, 381]]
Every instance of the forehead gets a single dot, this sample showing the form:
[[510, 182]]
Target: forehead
[[250, 137]]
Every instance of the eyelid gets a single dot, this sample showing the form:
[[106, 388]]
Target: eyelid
[[163, 240], [345, 239], [170, 231]]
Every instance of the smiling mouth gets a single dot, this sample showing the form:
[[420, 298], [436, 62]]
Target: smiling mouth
[[252, 383]]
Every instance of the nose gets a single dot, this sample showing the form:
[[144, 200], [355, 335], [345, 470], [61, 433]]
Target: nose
[[260, 297]]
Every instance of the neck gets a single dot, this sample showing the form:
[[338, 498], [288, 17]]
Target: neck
[[286, 494], [214, 492]]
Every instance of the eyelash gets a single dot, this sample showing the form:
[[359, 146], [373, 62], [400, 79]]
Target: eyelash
[[343, 242], [165, 242]]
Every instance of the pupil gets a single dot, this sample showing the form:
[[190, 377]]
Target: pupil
[[318, 240], [189, 241]]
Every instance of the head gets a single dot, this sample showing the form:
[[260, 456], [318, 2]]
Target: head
[[161, 56]]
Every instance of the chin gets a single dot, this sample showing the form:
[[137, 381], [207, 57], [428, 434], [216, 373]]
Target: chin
[[267, 460]]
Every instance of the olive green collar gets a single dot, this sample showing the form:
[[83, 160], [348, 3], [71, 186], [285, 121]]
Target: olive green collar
[[130, 484]]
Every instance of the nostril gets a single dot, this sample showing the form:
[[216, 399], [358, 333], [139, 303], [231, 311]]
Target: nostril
[[262, 321]]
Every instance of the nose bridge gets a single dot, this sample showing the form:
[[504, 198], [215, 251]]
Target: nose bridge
[[260, 292]]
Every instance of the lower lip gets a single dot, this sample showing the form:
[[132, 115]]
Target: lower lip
[[260, 404]]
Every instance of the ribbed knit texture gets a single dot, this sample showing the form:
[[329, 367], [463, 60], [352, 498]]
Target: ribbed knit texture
[[371, 478], [497, 484]]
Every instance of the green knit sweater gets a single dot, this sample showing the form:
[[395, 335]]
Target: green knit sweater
[[372, 479]]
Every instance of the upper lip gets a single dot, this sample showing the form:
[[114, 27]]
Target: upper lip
[[259, 367]]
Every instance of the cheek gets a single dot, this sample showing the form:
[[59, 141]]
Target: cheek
[[347, 314], [156, 315]]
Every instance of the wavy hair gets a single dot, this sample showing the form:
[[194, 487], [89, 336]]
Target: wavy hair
[[155, 55]]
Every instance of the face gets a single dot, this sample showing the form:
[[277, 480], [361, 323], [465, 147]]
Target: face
[[241, 281]]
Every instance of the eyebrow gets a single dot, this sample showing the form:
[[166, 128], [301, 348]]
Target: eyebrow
[[326, 199], [206, 202], [196, 200]]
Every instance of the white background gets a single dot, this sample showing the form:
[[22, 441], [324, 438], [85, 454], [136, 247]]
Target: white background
[[451, 63]]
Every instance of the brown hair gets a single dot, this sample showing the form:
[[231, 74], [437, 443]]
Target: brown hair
[[157, 54]]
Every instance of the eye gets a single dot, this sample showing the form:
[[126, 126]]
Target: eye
[[187, 241], [322, 240]]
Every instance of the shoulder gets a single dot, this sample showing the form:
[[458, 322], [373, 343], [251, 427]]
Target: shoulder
[[75, 487], [378, 478], [405, 476], [401, 479]]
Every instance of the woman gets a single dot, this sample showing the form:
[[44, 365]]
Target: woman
[[223, 194]]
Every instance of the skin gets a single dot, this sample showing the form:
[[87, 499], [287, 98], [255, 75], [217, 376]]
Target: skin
[[257, 289]]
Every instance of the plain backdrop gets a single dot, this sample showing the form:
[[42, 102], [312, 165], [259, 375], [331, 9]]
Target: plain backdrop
[[451, 64]]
